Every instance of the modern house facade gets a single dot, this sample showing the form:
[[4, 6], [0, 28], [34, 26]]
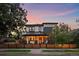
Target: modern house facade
[[37, 33]]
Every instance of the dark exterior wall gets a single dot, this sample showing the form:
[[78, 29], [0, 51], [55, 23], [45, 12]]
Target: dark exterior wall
[[47, 29]]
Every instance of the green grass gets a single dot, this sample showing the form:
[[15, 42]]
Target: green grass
[[16, 51], [60, 50], [71, 50], [51, 51]]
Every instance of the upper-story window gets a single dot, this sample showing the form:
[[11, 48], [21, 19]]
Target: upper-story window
[[32, 29], [40, 28]]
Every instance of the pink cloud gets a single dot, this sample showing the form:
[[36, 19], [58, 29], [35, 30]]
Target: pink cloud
[[42, 13], [73, 26], [34, 19], [66, 12], [35, 16]]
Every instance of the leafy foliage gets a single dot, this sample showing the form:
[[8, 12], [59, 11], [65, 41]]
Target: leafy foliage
[[75, 35], [61, 34], [12, 18]]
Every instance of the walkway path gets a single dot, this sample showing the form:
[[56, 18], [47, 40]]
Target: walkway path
[[36, 51]]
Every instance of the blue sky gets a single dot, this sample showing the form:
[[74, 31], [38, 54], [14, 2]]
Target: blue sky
[[52, 12]]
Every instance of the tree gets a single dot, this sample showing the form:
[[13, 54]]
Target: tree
[[63, 38], [75, 35], [12, 18], [61, 34]]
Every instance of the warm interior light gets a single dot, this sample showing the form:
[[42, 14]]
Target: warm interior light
[[36, 38], [13, 33]]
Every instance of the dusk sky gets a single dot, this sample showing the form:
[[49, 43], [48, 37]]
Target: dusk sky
[[52, 12]]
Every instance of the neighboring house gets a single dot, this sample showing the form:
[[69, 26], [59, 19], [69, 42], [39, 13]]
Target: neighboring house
[[37, 33]]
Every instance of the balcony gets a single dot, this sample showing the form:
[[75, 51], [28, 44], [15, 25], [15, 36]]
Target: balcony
[[23, 33]]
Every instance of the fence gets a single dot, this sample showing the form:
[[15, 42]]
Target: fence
[[37, 45]]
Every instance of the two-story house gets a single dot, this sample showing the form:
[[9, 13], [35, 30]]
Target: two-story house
[[37, 33]]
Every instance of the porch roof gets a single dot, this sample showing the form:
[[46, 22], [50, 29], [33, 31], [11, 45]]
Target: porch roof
[[35, 35]]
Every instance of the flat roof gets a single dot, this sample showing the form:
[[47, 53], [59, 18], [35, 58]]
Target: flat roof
[[34, 25], [41, 24], [51, 23]]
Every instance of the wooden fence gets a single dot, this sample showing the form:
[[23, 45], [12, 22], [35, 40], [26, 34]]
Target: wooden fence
[[37, 45]]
